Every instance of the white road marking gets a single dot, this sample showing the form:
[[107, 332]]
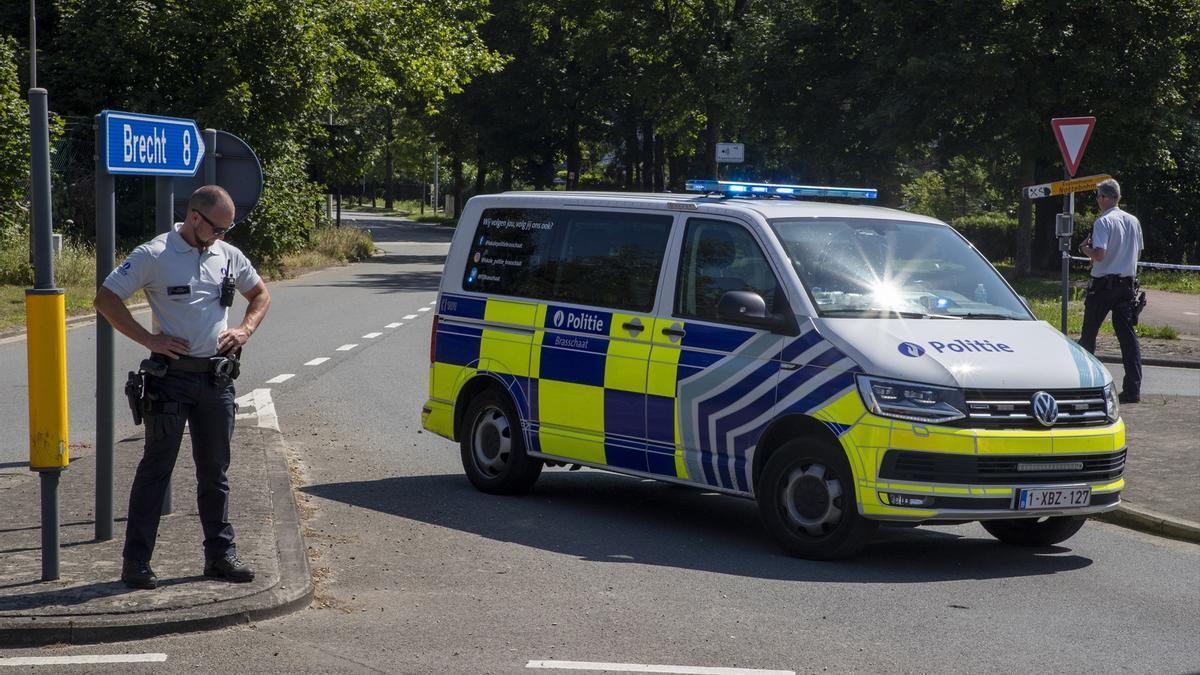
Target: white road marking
[[317, 361], [410, 316], [371, 336], [394, 325], [1191, 313], [346, 348], [281, 378], [650, 668], [422, 309], [263, 408], [84, 658]]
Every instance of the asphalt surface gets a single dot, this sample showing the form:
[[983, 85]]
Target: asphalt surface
[[416, 572]]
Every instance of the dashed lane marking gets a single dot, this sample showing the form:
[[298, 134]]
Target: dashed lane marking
[[82, 658], [410, 316], [394, 325], [317, 361], [346, 348], [651, 668], [371, 336], [281, 378], [422, 309]]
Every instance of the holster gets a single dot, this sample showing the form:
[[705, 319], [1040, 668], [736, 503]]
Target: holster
[[134, 389]]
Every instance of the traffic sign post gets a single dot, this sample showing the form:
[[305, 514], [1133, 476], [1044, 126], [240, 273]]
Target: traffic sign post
[[730, 153], [1072, 134]]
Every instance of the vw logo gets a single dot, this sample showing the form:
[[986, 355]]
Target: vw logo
[[558, 319], [911, 349], [1045, 408]]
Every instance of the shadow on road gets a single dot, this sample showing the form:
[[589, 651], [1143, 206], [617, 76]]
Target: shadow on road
[[612, 518]]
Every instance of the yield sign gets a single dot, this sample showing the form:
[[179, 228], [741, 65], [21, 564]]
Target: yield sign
[[1072, 134]]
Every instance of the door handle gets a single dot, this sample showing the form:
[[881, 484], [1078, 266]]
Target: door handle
[[674, 332], [634, 326]]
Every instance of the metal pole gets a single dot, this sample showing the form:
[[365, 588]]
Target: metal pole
[[106, 242], [46, 343], [1065, 246], [32, 44], [436, 178], [210, 156], [164, 219]]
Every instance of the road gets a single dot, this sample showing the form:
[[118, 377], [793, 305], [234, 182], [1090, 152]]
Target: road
[[419, 573]]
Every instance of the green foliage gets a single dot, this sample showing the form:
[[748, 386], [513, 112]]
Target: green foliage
[[991, 233], [285, 215], [14, 145]]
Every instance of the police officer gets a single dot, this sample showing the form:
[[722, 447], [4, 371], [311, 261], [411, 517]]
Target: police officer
[[182, 273], [1113, 248]]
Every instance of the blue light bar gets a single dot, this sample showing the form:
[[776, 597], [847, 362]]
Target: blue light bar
[[738, 188]]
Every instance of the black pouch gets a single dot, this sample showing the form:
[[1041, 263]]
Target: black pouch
[[1139, 303]]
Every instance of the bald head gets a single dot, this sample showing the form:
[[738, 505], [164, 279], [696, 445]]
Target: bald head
[[210, 197]]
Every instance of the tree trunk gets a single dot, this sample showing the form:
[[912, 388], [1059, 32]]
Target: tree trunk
[[660, 160], [1022, 252], [631, 155], [574, 156], [647, 155], [387, 170], [480, 170], [456, 166], [506, 177], [712, 136]]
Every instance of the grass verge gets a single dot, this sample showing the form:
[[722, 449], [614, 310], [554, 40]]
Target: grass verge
[[1044, 296], [75, 270], [406, 209]]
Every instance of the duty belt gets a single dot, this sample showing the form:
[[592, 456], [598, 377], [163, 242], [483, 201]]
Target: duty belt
[[186, 364]]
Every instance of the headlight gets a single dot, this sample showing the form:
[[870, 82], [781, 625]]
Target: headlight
[[1111, 406], [911, 401]]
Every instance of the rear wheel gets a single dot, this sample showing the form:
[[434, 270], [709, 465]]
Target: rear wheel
[[493, 447], [1034, 531], [807, 502]]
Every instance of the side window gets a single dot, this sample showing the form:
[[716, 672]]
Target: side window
[[720, 256], [591, 258]]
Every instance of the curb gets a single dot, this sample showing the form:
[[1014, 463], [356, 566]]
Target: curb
[[71, 321], [1165, 363], [293, 591], [1152, 522]]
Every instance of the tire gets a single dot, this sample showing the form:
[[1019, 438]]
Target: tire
[[1034, 531], [807, 502], [493, 447]]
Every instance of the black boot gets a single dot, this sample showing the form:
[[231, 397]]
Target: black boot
[[229, 567], [137, 574]]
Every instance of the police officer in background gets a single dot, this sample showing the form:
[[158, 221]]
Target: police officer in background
[[183, 273], [1113, 248]]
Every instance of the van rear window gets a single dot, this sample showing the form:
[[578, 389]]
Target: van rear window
[[596, 258]]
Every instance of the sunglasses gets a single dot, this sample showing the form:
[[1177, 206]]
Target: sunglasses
[[217, 231]]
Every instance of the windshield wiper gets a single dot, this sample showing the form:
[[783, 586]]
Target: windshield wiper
[[986, 315], [881, 313]]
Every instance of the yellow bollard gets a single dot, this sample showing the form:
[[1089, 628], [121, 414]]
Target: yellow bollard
[[46, 348]]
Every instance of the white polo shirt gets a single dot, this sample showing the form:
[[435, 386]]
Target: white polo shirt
[[183, 286], [1120, 235]]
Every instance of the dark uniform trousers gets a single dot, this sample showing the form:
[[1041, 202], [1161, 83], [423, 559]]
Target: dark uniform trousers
[[1114, 294], [208, 408]]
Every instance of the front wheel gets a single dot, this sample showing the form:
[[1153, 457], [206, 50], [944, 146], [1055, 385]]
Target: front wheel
[[1034, 531], [806, 499], [493, 447]]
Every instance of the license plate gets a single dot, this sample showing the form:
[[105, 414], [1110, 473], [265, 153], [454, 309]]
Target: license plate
[[1053, 498]]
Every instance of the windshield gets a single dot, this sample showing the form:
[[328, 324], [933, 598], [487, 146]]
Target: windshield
[[870, 268]]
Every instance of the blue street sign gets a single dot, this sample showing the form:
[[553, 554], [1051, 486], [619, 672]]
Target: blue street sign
[[149, 145]]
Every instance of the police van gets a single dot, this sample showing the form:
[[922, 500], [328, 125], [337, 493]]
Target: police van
[[841, 364]]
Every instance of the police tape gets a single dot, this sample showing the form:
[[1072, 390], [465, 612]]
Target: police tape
[[1157, 266]]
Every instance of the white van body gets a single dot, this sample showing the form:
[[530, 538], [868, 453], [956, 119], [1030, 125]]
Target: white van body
[[841, 364]]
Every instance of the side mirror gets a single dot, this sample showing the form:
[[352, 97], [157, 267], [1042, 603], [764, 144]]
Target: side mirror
[[748, 308]]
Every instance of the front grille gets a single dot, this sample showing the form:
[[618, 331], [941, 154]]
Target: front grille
[[937, 467], [1013, 408]]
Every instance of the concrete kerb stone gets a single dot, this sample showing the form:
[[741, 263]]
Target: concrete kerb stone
[[1165, 363], [1152, 522], [294, 589]]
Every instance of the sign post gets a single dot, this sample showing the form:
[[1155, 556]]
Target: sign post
[[127, 144], [1072, 134], [729, 153]]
